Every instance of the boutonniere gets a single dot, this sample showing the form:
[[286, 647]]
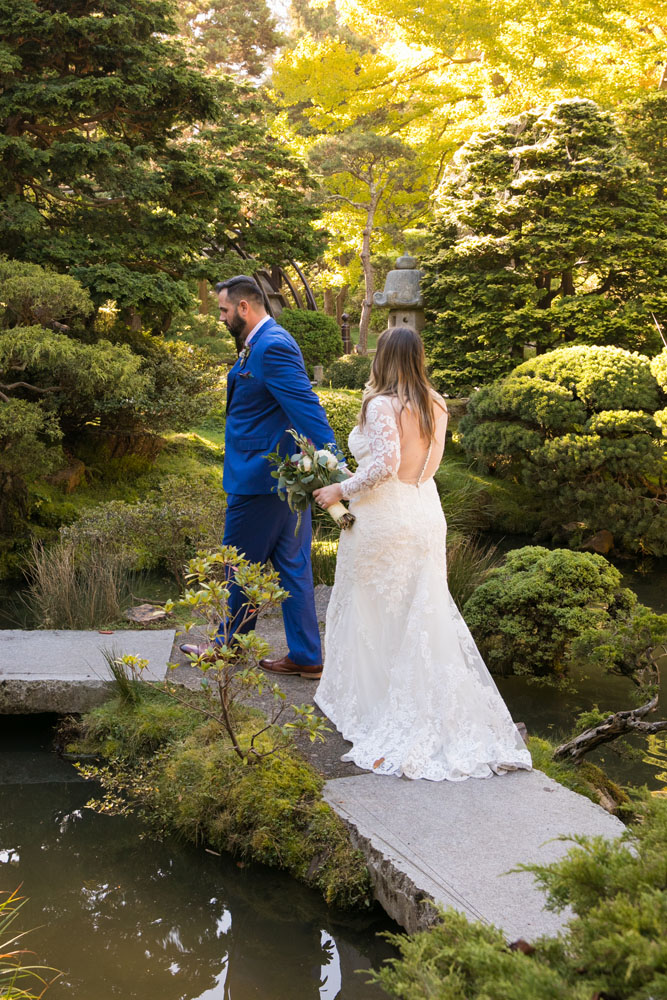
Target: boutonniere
[[245, 354]]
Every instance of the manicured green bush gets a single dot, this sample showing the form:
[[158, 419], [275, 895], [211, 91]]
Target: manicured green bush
[[342, 410], [317, 334], [351, 371], [35, 296], [582, 428], [659, 369], [183, 776], [539, 612], [614, 946], [182, 382]]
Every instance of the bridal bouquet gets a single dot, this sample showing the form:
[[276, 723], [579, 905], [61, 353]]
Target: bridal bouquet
[[305, 471]]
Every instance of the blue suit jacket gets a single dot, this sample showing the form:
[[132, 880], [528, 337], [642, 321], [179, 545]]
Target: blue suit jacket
[[267, 393]]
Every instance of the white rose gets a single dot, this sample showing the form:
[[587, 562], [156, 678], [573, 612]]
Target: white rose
[[332, 461], [306, 463]]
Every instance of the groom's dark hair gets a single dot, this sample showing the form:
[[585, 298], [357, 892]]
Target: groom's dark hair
[[242, 286]]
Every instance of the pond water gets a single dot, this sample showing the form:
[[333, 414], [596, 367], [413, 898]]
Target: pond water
[[146, 920]]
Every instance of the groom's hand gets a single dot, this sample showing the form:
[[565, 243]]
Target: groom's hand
[[326, 495]]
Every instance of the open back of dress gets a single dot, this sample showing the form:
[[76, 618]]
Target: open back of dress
[[420, 458]]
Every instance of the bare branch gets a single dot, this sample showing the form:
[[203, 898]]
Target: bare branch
[[97, 202], [33, 388], [610, 729], [341, 197]]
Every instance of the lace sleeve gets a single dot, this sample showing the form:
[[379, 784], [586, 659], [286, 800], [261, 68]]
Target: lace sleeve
[[381, 432]]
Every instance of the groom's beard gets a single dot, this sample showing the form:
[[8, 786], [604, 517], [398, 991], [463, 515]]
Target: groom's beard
[[236, 327]]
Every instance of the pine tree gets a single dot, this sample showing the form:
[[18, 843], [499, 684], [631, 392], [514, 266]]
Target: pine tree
[[123, 164], [234, 37], [549, 233]]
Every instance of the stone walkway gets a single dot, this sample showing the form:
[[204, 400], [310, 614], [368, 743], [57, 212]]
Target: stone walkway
[[444, 842]]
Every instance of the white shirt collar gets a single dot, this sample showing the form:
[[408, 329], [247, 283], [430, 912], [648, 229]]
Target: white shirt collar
[[255, 329]]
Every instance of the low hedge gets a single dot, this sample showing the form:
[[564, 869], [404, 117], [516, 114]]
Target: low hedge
[[342, 410], [351, 371], [317, 334]]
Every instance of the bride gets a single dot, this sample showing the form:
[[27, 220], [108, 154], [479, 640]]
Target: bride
[[403, 680]]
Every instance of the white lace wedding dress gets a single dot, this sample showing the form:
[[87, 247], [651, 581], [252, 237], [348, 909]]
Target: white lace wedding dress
[[403, 680]]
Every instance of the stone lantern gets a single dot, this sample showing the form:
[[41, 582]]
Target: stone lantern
[[402, 295]]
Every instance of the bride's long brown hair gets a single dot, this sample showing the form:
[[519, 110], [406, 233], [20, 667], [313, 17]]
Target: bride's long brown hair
[[399, 369]]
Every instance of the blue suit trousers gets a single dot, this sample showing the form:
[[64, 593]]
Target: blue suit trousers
[[262, 527]]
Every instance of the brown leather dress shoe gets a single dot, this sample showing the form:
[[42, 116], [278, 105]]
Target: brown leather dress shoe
[[286, 666]]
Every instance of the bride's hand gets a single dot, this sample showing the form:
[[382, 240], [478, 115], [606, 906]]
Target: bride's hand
[[327, 495]]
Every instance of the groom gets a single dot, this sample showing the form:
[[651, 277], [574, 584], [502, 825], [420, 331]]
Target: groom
[[268, 391]]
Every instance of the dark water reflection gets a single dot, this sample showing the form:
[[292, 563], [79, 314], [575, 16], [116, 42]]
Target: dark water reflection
[[129, 918]]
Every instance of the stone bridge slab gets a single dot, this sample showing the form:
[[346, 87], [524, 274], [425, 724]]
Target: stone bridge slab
[[455, 843], [65, 671]]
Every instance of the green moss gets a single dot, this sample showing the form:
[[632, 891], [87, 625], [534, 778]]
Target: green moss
[[196, 457], [133, 731], [586, 779], [184, 777]]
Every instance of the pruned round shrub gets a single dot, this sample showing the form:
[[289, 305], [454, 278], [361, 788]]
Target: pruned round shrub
[[32, 295], [582, 427], [351, 371], [659, 369], [317, 334], [529, 614], [342, 410]]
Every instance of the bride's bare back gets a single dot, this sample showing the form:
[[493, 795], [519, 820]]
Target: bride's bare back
[[419, 458]]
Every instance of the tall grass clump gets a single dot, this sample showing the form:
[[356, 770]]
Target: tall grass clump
[[128, 687], [18, 981], [323, 553], [465, 499], [469, 560], [73, 590]]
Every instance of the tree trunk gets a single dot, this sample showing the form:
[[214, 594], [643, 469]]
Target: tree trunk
[[202, 289], [340, 303], [329, 302], [369, 274]]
